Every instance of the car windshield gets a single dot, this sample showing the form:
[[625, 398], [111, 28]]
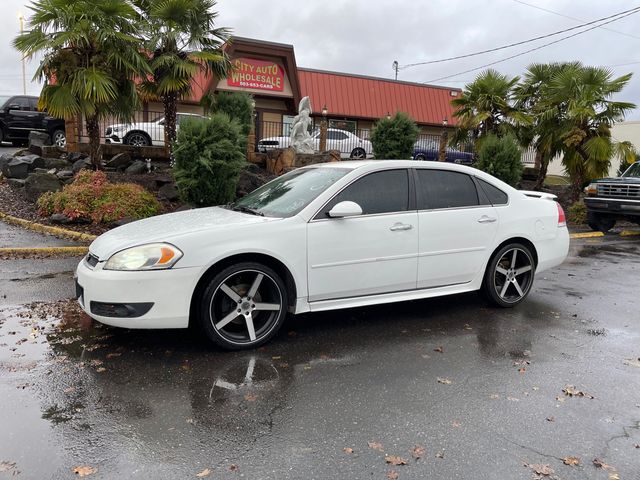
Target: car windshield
[[4, 99], [289, 194], [633, 170]]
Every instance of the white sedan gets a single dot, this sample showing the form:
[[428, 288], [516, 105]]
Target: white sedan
[[348, 144], [324, 237], [142, 134]]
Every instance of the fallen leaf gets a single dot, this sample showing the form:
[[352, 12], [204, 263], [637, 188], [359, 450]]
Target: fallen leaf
[[494, 396], [7, 466], [571, 391], [467, 326], [444, 381], [233, 467], [348, 450], [439, 349], [191, 421], [571, 461], [440, 455], [418, 452], [600, 464], [637, 445], [101, 369], [392, 475], [632, 362], [250, 397], [613, 476], [84, 470], [513, 399], [70, 390], [551, 419], [204, 473], [277, 357], [560, 399], [395, 460], [540, 469], [113, 355], [376, 446], [456, 424]]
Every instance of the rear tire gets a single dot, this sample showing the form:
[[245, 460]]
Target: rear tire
[[599, 222], [243, 306], [358, 154], [421, 156], [509, 275]]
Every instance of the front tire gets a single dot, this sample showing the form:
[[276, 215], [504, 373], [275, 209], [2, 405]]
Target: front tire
[[600, 223], [421, 156], [243, 306], [59, 139], [137, 139], [358, 154], [509, 275]]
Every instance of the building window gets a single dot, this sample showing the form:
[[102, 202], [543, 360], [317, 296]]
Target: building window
[[287, 121]]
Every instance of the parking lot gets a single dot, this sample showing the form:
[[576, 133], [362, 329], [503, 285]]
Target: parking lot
[[450, 387]]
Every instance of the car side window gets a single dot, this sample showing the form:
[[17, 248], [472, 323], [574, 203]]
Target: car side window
[[378, 192], [33, 104], [493, 194], [445, 189], [333, 135], [19, 103]]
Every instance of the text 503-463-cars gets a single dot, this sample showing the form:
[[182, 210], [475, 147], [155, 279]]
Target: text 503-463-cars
[[324, 237]]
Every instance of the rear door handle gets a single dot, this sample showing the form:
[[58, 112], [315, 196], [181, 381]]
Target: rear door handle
[[486, 219], [396, 227]]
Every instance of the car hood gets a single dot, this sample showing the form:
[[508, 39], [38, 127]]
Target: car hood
[[169, 227], [635, 180]]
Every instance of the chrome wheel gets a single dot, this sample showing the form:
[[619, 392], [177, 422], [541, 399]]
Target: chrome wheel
[[513, 275], [137, 140], [245, 307], [59, 139]]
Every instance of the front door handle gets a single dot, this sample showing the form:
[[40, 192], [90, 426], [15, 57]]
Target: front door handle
[[396, 227], [486, 219]]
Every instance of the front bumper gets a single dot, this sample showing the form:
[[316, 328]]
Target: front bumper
[[113, 139], [613, 206], [122, 299]]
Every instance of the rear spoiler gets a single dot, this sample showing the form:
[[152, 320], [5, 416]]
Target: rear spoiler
[[531, 193]]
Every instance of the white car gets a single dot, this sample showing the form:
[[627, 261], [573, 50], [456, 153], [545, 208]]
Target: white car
[[348, 144], [324, 237], [142, 134]]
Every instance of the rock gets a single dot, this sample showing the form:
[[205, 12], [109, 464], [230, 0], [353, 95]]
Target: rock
[[16, 168], [52, 151], [22, 152], [73, 157], [4, 159], [123, 221], [60, 218], [39, 183], [34, 161], [37, 140], [163, 180], [248, 182], [137, 167], [64, 174], [119, 161], [16, 182], [56, 163], [185, 207], [253, 168], [80, 164], [168, 192]]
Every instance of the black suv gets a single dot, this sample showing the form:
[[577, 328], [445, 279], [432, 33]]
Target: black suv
[[611, 199], [19, 115]]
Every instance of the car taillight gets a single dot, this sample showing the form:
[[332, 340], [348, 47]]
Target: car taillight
[[562, 219]]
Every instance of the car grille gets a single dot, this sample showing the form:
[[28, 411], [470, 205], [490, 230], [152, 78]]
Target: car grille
[[108, 131], [91, 260], [618, 190]]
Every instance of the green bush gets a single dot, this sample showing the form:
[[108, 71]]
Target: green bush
[[394, 138], [501, 157], [577, 213], [208, 160], [92, 196], [238, 106]]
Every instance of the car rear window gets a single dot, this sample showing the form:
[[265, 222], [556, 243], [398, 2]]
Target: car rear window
[[494, 194]]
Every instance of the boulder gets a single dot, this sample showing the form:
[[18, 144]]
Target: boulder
[[168, 192], [137, 167], [15, 182], [34, 161], [163, 180], [119, 161], [57, 163], [37, 140], [39, 183], [80, 164], [21, 152], [16, 168], [52, 151], [60, 218], [64, 174], [4, 159], [73, 157]]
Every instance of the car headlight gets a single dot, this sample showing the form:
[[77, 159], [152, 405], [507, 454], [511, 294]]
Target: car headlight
[[154, 256], [116, 129], [591, 190]]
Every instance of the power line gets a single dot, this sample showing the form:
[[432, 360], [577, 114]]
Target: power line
[[573, 18], [632, 10], [636, 10]]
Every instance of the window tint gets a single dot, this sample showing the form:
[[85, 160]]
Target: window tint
[[379, 192], [445, 189], [494, 194], [333, 135], [33, 104], [22, 103]]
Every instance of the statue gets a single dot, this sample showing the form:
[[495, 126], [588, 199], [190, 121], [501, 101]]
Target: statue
[[301, 140]]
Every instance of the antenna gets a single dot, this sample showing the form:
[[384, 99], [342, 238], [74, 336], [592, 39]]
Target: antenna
[[396, 66]]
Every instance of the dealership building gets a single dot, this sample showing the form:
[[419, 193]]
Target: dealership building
[[269, 72]]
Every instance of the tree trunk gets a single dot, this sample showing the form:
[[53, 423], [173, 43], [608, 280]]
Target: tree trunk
[[170, 103], [93, 130], [576, 187], [442, 150], [543, 164]]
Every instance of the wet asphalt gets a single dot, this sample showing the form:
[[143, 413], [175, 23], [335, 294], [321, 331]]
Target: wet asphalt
[[479, 389]]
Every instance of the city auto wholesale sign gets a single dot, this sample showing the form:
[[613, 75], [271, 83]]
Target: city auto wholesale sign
[[256, 74]]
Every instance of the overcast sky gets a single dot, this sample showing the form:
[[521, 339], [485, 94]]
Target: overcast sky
[[366, 36]]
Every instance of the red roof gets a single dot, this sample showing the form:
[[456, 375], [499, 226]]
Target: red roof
[[358, 96]]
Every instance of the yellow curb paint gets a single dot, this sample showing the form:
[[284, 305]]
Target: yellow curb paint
[[586, 235], [38, 227], [17, 251], [629, 233]]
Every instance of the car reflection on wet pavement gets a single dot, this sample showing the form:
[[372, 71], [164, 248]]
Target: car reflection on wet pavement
[[480, 389]]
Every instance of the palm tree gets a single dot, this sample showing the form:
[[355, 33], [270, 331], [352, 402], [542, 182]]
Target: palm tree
[[182, 41], [486, 107], [583, 95], [91, 59]]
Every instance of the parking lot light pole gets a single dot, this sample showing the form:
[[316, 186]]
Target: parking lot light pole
[[24, 69], [444, 138], [323, 129]]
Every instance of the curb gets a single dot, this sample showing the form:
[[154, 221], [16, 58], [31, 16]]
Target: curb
[[586, 235], [39, 228], [44, 251]]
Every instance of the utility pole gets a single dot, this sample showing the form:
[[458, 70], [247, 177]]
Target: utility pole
[[396, 67], [24, 70]]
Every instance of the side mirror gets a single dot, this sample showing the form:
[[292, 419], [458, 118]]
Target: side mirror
[[345, 209]]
